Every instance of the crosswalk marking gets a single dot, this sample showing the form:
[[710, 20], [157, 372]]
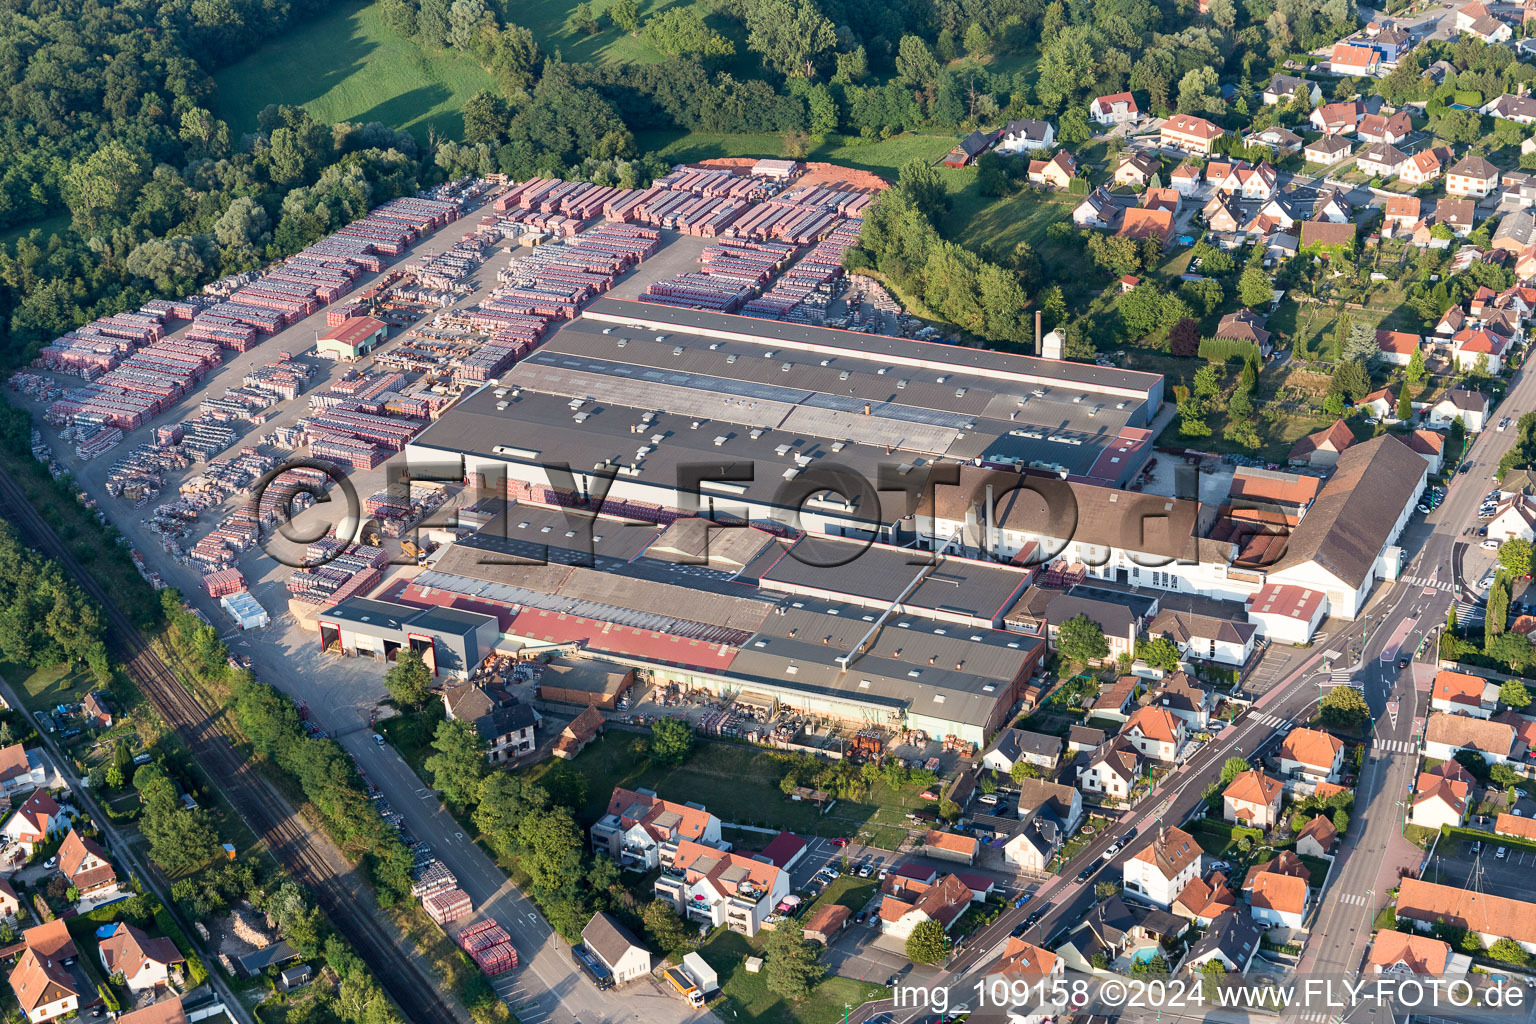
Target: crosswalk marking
[[1429, 584], [1353, 899], [1397, 746]]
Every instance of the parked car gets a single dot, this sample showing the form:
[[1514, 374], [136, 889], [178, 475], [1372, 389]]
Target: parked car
[[839, 841], [1489, 545]]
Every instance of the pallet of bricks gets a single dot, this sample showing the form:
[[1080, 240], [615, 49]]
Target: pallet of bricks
[[430, 877], [224, 582], [490, 947], [447, 905], [809, 279], [140, 387], [339, 572]]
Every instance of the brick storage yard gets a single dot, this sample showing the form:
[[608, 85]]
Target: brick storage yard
[[177, 410]]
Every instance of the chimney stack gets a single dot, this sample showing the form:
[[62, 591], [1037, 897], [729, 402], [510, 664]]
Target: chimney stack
[[1037, 332]]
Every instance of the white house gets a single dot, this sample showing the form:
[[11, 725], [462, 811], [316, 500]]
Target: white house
[[144, 963], [1119, 108], [1156, 733], [712, 887], [1311, 754], [1445, 734], [35, 821], [1461, 693], [1026, 136], [41, 981], [1014, 745], [1475, 347], [612, 943], [1439, 801], [1276, 900], [1112, 770], [1470, 407], [641, 830], [1284, 614], [1252, 798], [1161, 869], [1515, 518], [1097, 210], [908, 903]]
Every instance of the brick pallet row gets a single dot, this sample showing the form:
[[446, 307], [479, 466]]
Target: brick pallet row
[[448, 905], [489, 946], [224, 582], [711, 182]]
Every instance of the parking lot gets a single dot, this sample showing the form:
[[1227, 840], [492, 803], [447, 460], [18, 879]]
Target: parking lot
[[1456, 864]]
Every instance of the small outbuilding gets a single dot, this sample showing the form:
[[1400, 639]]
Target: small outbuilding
[[351, 339]]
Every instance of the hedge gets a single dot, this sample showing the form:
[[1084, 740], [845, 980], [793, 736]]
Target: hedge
[[1223, 350]]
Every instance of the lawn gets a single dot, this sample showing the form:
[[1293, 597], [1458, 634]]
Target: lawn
[[850, 890], [412, 734], [737, 783], [883, 157], [44, 688], [747, 998], [350, 66]]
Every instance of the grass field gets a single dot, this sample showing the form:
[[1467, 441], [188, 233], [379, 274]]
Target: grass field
[[737, 783], [44, 688], [350, 66], [548, 21], [49, 226], [747, 998]]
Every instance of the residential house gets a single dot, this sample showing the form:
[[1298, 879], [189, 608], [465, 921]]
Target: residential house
[[1513, 518], [1470, 407], [969, 148], [1407, 953], [1026, 136], [1097, 210], [1275, 900], [1281, 246], [1400, 212], [1457, 214], [1379, 405], [1353, 60], [1426, 165], [1468, 15], [608, 940], [1275, 214], [1430, 445], [1388, 128], [1323, 235], [1246, 325], [1156, 733], [145, 963], [1380, 159], [1190, 133], [1027, 844], [10, 903], [1311, 754], [1329, 149], [1323, 448], [97, 709], [1509, 107], [1222, 213], [1112, 770], [1141, 223], [1248, 182], [1178, 695], [41, 980], [1203, 900], [1471, 176], [1282, 142], [1460, 692], [1490, 30], [1136, 168], [21, 770], [1429, 905], [910, 905], [503, 722], [1233, 939], [1317, 838], [1445, 735], [1160, 870], [1082, 739], [1516, 232], [1285, 88], [1114, 701], [1393, 42], [641, 831], [942, 845], [1397, 347], [35, 821], [1057, 172], [1476, 347], [1332, 207], [1062, 802], [1014, 745], [1437, 71], [1185, 178], [1439, 800], [1119, 108], [712, 887], [84, 864], [1161, 199], [1252, 798], [1337, 118]]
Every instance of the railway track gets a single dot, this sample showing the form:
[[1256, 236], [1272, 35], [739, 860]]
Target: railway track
[[293, 842]]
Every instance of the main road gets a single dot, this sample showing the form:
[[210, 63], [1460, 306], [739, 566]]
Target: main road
[[1398, 615]]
